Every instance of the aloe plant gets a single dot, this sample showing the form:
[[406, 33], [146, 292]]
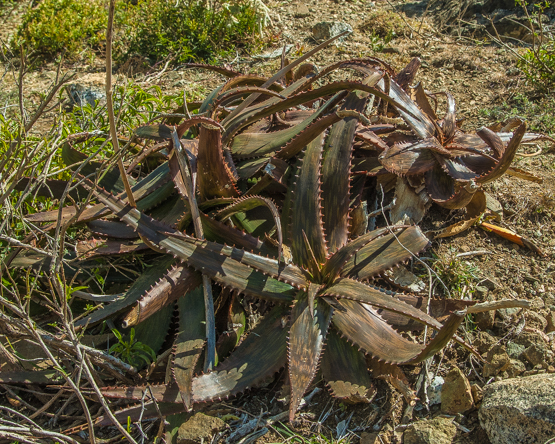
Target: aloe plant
[[280, 172]]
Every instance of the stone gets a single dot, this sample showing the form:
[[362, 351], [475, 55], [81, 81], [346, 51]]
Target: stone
[[199, 426], [495, 208], [327, 30], [514, 350], [490, 283], [433, 431], [391, 50], [550, 321], [483, 342], [369, 438], [81, 95], [301, 11], [481, 292], [534, 355], [434, 390], [477, 393], [515, 368], [498, 361], [519, 410], [535, 320], [456, 394], [485, 320]]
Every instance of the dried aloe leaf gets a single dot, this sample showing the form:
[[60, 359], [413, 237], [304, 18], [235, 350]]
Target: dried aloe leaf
[[214, 175], [507, 156]]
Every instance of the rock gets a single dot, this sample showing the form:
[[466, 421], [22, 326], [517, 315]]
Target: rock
[[484, 341], [434, 431], [477, 393], [514, 350], [534, 355], [490, 283], [498, 361], [369, 438], [535, 320], [519, 410], [481, 292], [515, 368], [327, 30], [81, 95], [550, 321], [495, 208], [301, 11], [507, 313], [434, 390], [528, 338], [456, 394], [485, 320], [199, 426]]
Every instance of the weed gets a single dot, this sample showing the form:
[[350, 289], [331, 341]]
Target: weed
[[539, 114], [131, 351], [290, 436], [460, 276]]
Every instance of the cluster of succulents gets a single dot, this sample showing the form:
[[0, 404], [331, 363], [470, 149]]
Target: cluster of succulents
[[265, 197]]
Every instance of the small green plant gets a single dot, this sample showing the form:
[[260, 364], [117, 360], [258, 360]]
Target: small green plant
[[459, 276], [131, 351], [538, 62]]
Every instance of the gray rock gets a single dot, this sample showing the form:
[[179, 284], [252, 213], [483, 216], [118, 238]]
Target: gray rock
[[434, 431], [519, 410], [327, 30], [80, 95], [301, 11], [434, 390], [490, 284], [199, 426], [493, 205], [514, 350], [456, 394]]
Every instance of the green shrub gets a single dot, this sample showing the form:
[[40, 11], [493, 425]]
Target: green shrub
[[189, 31], [68, 26], [153, 28]]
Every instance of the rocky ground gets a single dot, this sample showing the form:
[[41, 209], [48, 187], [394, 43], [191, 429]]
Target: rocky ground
[[509, 399]]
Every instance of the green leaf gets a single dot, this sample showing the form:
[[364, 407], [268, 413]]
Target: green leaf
[[259, 356], [189, 342], [345, 372], [306, 341]]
